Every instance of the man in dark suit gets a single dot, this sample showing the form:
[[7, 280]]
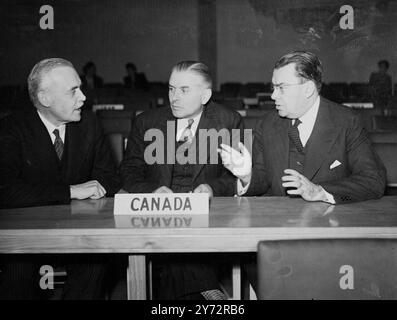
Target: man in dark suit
[[182, 124], [312, 148], [50, 155]]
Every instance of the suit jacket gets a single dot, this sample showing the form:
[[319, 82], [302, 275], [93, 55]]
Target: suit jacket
[[30, 171], [337, 135], [140, 177]]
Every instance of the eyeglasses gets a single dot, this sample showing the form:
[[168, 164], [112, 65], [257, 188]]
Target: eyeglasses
[[284, 86]]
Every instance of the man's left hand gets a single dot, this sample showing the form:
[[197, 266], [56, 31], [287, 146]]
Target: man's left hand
[[304, 187], [204, 188]]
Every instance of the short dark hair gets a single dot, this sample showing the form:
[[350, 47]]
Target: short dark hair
[[385, 63], [88, 66], [307, 66], [39, 70], [130, 65], [197, 67]]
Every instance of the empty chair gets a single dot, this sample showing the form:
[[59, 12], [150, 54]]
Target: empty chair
[[338, 92], [251, 89], [233, 103], [388, 153], [328, 269], [115, 121], [359, 92], [383, 137], [381, 123], [230, 89]]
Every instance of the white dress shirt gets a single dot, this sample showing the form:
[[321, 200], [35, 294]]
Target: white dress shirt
[[50, 128], [305, 130]]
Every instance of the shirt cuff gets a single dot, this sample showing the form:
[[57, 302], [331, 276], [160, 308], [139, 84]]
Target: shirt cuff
[[329, 197], [240, 189]]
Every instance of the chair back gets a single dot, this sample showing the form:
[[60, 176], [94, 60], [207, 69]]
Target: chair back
[[327, 269]]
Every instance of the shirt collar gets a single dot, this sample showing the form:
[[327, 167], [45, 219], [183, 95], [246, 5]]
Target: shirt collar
[[310, 116], [50, 127]]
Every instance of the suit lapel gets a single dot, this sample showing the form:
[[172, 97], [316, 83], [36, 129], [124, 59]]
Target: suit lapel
[[43, 149], [322, 138], [169, 141], [207, 121], [75, 149], [280, 154]]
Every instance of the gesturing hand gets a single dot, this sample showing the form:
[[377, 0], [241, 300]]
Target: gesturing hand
[[238, 162], [304, 187]]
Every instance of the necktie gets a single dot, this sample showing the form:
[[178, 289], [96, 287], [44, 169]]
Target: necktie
[[187, 134], [58, 144], [293, 134]]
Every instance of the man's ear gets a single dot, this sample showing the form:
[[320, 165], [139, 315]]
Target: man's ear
[[44, 98], [206, 96], [311, 89]]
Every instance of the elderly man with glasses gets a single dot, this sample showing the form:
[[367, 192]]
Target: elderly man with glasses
[[311, 148]]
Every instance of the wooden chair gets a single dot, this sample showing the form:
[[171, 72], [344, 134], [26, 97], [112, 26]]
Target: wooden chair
[[328, 269]]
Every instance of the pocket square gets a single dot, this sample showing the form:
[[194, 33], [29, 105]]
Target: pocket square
[[335, 164]]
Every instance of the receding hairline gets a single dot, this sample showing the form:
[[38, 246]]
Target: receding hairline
[[190, 71], [294, 66]]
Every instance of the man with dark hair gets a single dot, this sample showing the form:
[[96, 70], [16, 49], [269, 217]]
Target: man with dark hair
[[190, 113], [89, 78], [48, 156], [134, 79], [313, 148]]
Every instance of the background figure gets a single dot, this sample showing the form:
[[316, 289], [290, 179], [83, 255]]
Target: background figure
[[380, 84], [89, 79], [134, 79]]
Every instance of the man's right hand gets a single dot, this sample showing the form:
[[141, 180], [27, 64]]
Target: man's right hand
[[91, 189], [163, 189], [237, 162]]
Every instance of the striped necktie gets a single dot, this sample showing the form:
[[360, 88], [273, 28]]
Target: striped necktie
[[58, 144], [293, 134], [187, 134]]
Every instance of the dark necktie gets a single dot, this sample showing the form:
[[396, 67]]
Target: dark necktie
[[187, 134], [293, 134], [58, 144]]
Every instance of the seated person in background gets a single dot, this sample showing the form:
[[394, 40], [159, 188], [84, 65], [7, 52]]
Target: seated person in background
[[49, 155], [312, 147], [381, 88], [135, 80], [190, 89], [89, 78]]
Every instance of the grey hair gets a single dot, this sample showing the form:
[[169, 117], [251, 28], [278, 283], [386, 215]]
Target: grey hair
[[39, 71]]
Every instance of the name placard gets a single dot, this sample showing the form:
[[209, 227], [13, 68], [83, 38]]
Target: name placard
[[161, 203]]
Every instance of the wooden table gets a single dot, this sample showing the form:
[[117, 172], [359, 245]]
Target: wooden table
[[233, 225]]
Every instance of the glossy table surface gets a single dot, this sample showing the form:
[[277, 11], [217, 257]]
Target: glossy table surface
[[233, 225]]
